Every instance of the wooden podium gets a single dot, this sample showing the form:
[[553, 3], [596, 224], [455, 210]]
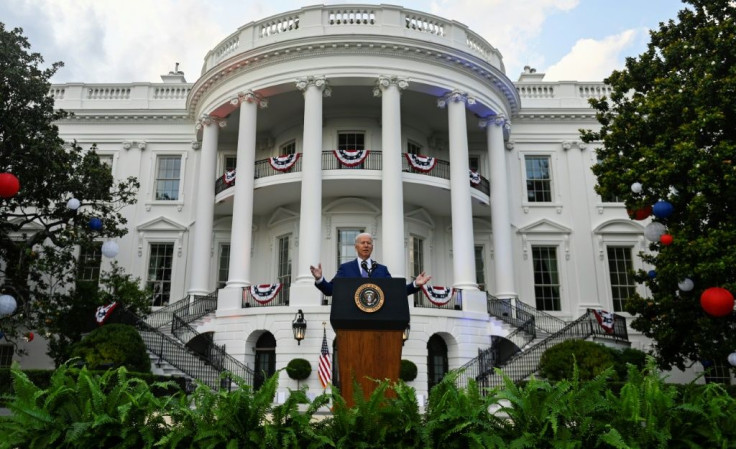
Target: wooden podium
[[369, 316]]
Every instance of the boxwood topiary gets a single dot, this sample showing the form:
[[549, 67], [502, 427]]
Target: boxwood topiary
[[408, 370], [112, 346], [299, 369], [592, 359]]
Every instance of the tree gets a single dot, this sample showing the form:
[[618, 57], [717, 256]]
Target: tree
[[669, 125], [40, 237]]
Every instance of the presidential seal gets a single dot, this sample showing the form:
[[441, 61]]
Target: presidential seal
[[369, 298]]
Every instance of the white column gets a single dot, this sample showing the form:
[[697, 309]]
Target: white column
[[392, 193], [241, 234], [500, 213], [463, 253], [303, 291], [204, 215]]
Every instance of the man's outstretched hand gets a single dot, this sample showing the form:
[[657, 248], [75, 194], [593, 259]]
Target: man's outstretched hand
[[422, 279], [316, 271]]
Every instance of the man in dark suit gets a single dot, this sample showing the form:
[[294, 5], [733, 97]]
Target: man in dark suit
[[363, 266]]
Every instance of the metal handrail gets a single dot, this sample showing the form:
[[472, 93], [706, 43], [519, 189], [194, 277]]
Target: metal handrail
[[518, 312], [185, 309]]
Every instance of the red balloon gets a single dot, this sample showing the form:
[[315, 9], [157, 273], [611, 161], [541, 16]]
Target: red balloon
[[666, 239], [641, 214], [29, 336], [9, 185], [717, 301]]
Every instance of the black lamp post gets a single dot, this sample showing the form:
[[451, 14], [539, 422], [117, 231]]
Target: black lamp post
[[299, 326]]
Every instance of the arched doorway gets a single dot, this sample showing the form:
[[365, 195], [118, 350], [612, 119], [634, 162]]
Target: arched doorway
[[265, 364], [436, 360]]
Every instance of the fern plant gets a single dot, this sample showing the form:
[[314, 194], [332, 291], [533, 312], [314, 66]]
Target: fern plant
[[80, 409]]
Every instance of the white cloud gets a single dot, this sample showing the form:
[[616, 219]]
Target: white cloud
[[507, 25], [593, 60]]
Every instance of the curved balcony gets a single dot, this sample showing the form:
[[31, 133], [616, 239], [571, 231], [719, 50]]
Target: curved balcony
[[372, 162]]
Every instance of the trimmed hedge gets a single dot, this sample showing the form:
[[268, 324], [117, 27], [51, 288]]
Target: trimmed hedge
[[112, 346]]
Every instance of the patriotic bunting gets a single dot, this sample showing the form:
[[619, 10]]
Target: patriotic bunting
[[229, 176], [325, 362], [474, 178], [605, 319], [438, 296], [351, 158], [104, 312], [285, 162], [419, 162], [264, 293]]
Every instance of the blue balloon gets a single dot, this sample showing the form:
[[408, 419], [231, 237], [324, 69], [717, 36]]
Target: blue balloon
[[1, 335], [652, 274], [662, 209], [95, 224]]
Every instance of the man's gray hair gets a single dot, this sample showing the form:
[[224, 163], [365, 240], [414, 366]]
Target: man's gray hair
[[363, 234]]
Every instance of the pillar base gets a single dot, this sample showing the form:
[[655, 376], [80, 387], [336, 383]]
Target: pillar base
[[304, 294], [230, 298], [475, 301]]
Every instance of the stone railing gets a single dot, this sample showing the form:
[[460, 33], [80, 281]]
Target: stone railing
[[318, 21], [76, 96], [560, 93]]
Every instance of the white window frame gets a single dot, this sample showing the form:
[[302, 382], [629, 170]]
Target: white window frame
[[553, 184], [179, 203]]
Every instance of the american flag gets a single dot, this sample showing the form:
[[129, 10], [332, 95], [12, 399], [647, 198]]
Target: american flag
[[325, 363]]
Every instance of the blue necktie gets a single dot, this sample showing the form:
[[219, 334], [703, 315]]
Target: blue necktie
[[364, 269]]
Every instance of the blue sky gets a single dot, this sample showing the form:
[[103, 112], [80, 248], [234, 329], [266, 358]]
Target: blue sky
[[138, 40]]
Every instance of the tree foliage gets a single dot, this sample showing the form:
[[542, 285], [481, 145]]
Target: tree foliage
[[669, 125], [40, 237]]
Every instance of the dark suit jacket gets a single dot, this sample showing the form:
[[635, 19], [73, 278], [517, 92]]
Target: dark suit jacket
[[352, 270]]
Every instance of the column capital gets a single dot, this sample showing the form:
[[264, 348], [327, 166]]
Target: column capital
[[384, 81], [455, 96], [497, 120], [207, 120], [196, 145], [128, 144], [249, 97], [320, 82]]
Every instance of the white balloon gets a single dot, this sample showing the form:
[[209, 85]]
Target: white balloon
[[686, 285], [654, 230], [110, 249], [732, 358], [7, 305], [73, 204], [636, 187]]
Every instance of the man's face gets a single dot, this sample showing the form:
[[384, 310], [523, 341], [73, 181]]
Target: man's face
[[364, 247]]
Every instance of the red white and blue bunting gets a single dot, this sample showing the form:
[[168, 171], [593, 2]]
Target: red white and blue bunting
[[264, 293], [104, 312], [419, 162], [229, 177], [351, 158], [284, 162], [438, 296], [605, 319], [474, 178]]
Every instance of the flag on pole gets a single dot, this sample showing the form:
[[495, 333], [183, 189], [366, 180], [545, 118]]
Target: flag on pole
[[325, 363]]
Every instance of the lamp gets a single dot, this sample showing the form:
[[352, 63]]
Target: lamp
[[299, 326], [405, 334]]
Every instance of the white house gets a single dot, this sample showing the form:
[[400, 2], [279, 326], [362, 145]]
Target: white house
[[508, 210]]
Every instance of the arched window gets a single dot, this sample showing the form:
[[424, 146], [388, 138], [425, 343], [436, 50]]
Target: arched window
[[265, 365], [436, 360]]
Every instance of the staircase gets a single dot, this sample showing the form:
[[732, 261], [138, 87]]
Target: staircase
[[538, 328], [167, 333]]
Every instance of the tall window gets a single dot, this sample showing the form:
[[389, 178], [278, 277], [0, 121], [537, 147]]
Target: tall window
[[538, 179], [416, 262], [230, 162], [88, 265], [159, 272], [288, 148], [346, 244], [265, 363], [480, 268], [621, 271], [546, 278], [223, 265], [351, 141], [718, 373], [106, 159], [284, 269], [6, 356], [474, 163], [168, 175], [413, 147], [436, 360]]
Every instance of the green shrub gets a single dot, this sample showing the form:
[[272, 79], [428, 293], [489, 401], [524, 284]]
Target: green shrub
[[592, 359], [408, 370], [112, 346], [628, 356], [299, 369]]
